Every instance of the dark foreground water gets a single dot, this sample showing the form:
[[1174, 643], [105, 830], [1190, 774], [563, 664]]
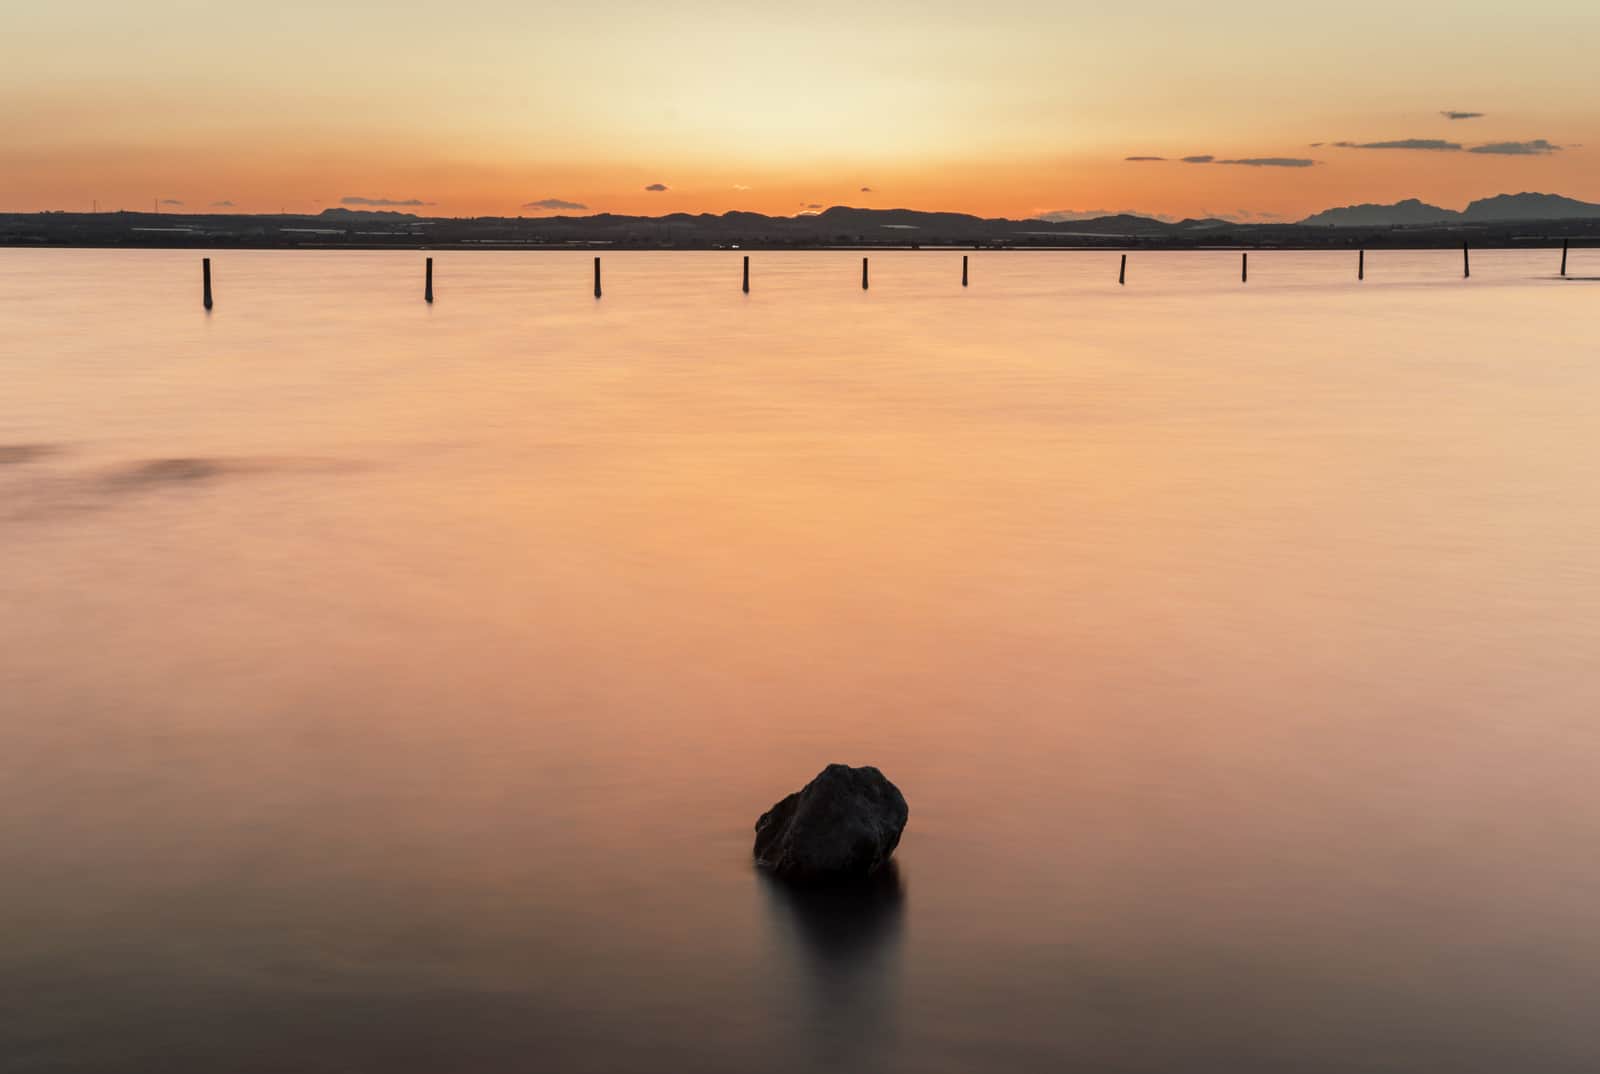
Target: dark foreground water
[[392, 689]]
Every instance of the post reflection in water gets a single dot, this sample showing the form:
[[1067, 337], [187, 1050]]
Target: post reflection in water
[[844, 941]]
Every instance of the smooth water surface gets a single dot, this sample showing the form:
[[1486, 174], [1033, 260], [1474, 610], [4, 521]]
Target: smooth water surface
[[393, 688]]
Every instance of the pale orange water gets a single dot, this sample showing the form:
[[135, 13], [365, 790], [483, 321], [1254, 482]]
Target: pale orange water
[[393, 688]]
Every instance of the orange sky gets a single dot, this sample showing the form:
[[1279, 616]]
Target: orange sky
[[1015, 107]]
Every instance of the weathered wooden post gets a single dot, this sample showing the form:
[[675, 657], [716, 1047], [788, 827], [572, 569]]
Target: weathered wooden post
[[205, 281], [1122, 273], [1361, 265], [1466, 263], [747, 274], [597, 277], [1564, 256], [427, 286], [963, 270], [1244, 267], [863, 274]]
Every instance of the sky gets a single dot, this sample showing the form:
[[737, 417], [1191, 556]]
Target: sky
[[1006, 108]]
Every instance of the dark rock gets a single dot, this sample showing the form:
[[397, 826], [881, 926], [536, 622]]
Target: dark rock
[[843, 824]]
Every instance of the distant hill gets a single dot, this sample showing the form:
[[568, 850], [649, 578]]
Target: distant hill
[[1409, 211], [1530, 207], [362, 214], [1499, 220], [847, 220], [1501, 208]]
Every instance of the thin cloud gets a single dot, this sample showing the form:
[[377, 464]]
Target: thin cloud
[[866, 190], [740, 186], [1316, 145], [222, 205], [1432, 145], [1253, 162], [812, 205], [171, 201], [1272, 162], [656, 188], [384, 202], [1449, 114], [1143, 158], [1535, 148], [553, 203]]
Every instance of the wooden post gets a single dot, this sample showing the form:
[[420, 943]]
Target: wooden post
[[863, 274], [1564, 257], [1361, 265], [597, 277], [205, 281], [747, 274], [963, 270], [1244, 268], [427, 286], [1466, 263], [1122, 273]]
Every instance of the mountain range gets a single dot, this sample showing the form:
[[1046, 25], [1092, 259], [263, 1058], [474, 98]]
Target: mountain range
[[841, 219], [1502, 208], [1501, 220]]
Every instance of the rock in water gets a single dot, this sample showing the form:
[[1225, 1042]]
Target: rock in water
[[843, 824]]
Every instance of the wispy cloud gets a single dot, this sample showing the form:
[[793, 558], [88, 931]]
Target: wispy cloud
[[553, 203], [656, 188], [1533, 148], [1450, 114], [171, 201], [1537, 147], [1143, 158], [1272, 162], [811, 205], [1436, 145], [222, 205], [1254, 162], [384, 202], [866, 190], [740, 186]]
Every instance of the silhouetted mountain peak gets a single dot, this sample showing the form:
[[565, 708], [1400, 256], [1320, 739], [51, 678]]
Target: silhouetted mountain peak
[[1408, 211], [1529, 206], [358, 214], [1498, 209]]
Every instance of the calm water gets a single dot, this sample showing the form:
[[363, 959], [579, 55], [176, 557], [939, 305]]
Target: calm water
[[387, 688]]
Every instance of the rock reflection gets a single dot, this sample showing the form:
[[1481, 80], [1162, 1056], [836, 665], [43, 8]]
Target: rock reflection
[[844, 945]]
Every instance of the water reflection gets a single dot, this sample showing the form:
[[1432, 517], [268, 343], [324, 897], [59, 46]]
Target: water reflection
[[1274, 611], [844, 941]]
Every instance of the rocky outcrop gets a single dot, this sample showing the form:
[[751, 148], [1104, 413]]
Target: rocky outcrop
[[842, 825]]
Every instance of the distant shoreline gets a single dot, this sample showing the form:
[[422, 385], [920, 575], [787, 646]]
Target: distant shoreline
[[835, 229]]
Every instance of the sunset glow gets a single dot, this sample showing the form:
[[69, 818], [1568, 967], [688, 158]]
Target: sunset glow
[[488, 107]]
